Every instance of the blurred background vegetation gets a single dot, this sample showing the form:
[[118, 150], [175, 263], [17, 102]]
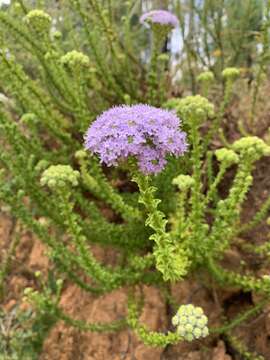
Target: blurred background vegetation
[[213, 34]]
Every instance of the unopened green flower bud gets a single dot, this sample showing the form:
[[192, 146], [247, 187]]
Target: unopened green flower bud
[[252, 145], [198, 311], [75, 60], [21, 193], [52, 183], [57, 35], [197, 333], [195, 108], [175, 320], [205, 332], [163, 57], [59, 283], [181, 330], [17, 7], [191, 322], [58, 176], [127, 99], [80, 154], [206, 77], [51, 55], [183, 182], [202, 321], [227, 156], [230, 73], [189, 337], [184, 320], [29, 118], [189, 328], [28, 291], [38, 21]]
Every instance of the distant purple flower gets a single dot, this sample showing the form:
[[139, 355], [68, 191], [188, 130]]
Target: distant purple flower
[[147, 133], [162, 17]]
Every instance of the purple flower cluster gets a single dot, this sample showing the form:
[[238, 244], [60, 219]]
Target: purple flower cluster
[[162, 17], [147, 133]]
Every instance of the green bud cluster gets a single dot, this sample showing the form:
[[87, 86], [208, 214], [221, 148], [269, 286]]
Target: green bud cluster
[[230, 73], [17, 6], [57, 35], [191, 322], [80, 154], [227, 156], [51, 55], [59, 176], [195, 108], [206, 77], [164, 57], [39, 20], [252, 145], [75, 60], [29, 118], [183, 182]]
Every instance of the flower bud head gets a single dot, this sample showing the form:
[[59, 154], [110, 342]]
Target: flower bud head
[[38, 20], [27, 291], [29, 118], [59, 176], [206, 77], [75, 60], [195, 108], [229, 157], [191, 322], [37, 274], [230, 73], [252, 145], [183, 182], [57, 35], [80, 154]]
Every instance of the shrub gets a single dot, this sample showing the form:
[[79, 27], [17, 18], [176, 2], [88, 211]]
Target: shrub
[[162, 228]]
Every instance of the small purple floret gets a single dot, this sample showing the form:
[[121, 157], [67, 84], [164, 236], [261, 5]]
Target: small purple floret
[[145, 132], [162, 17]]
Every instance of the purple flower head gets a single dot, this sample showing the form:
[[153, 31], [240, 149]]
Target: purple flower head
[[147, 133], [162, 17]]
